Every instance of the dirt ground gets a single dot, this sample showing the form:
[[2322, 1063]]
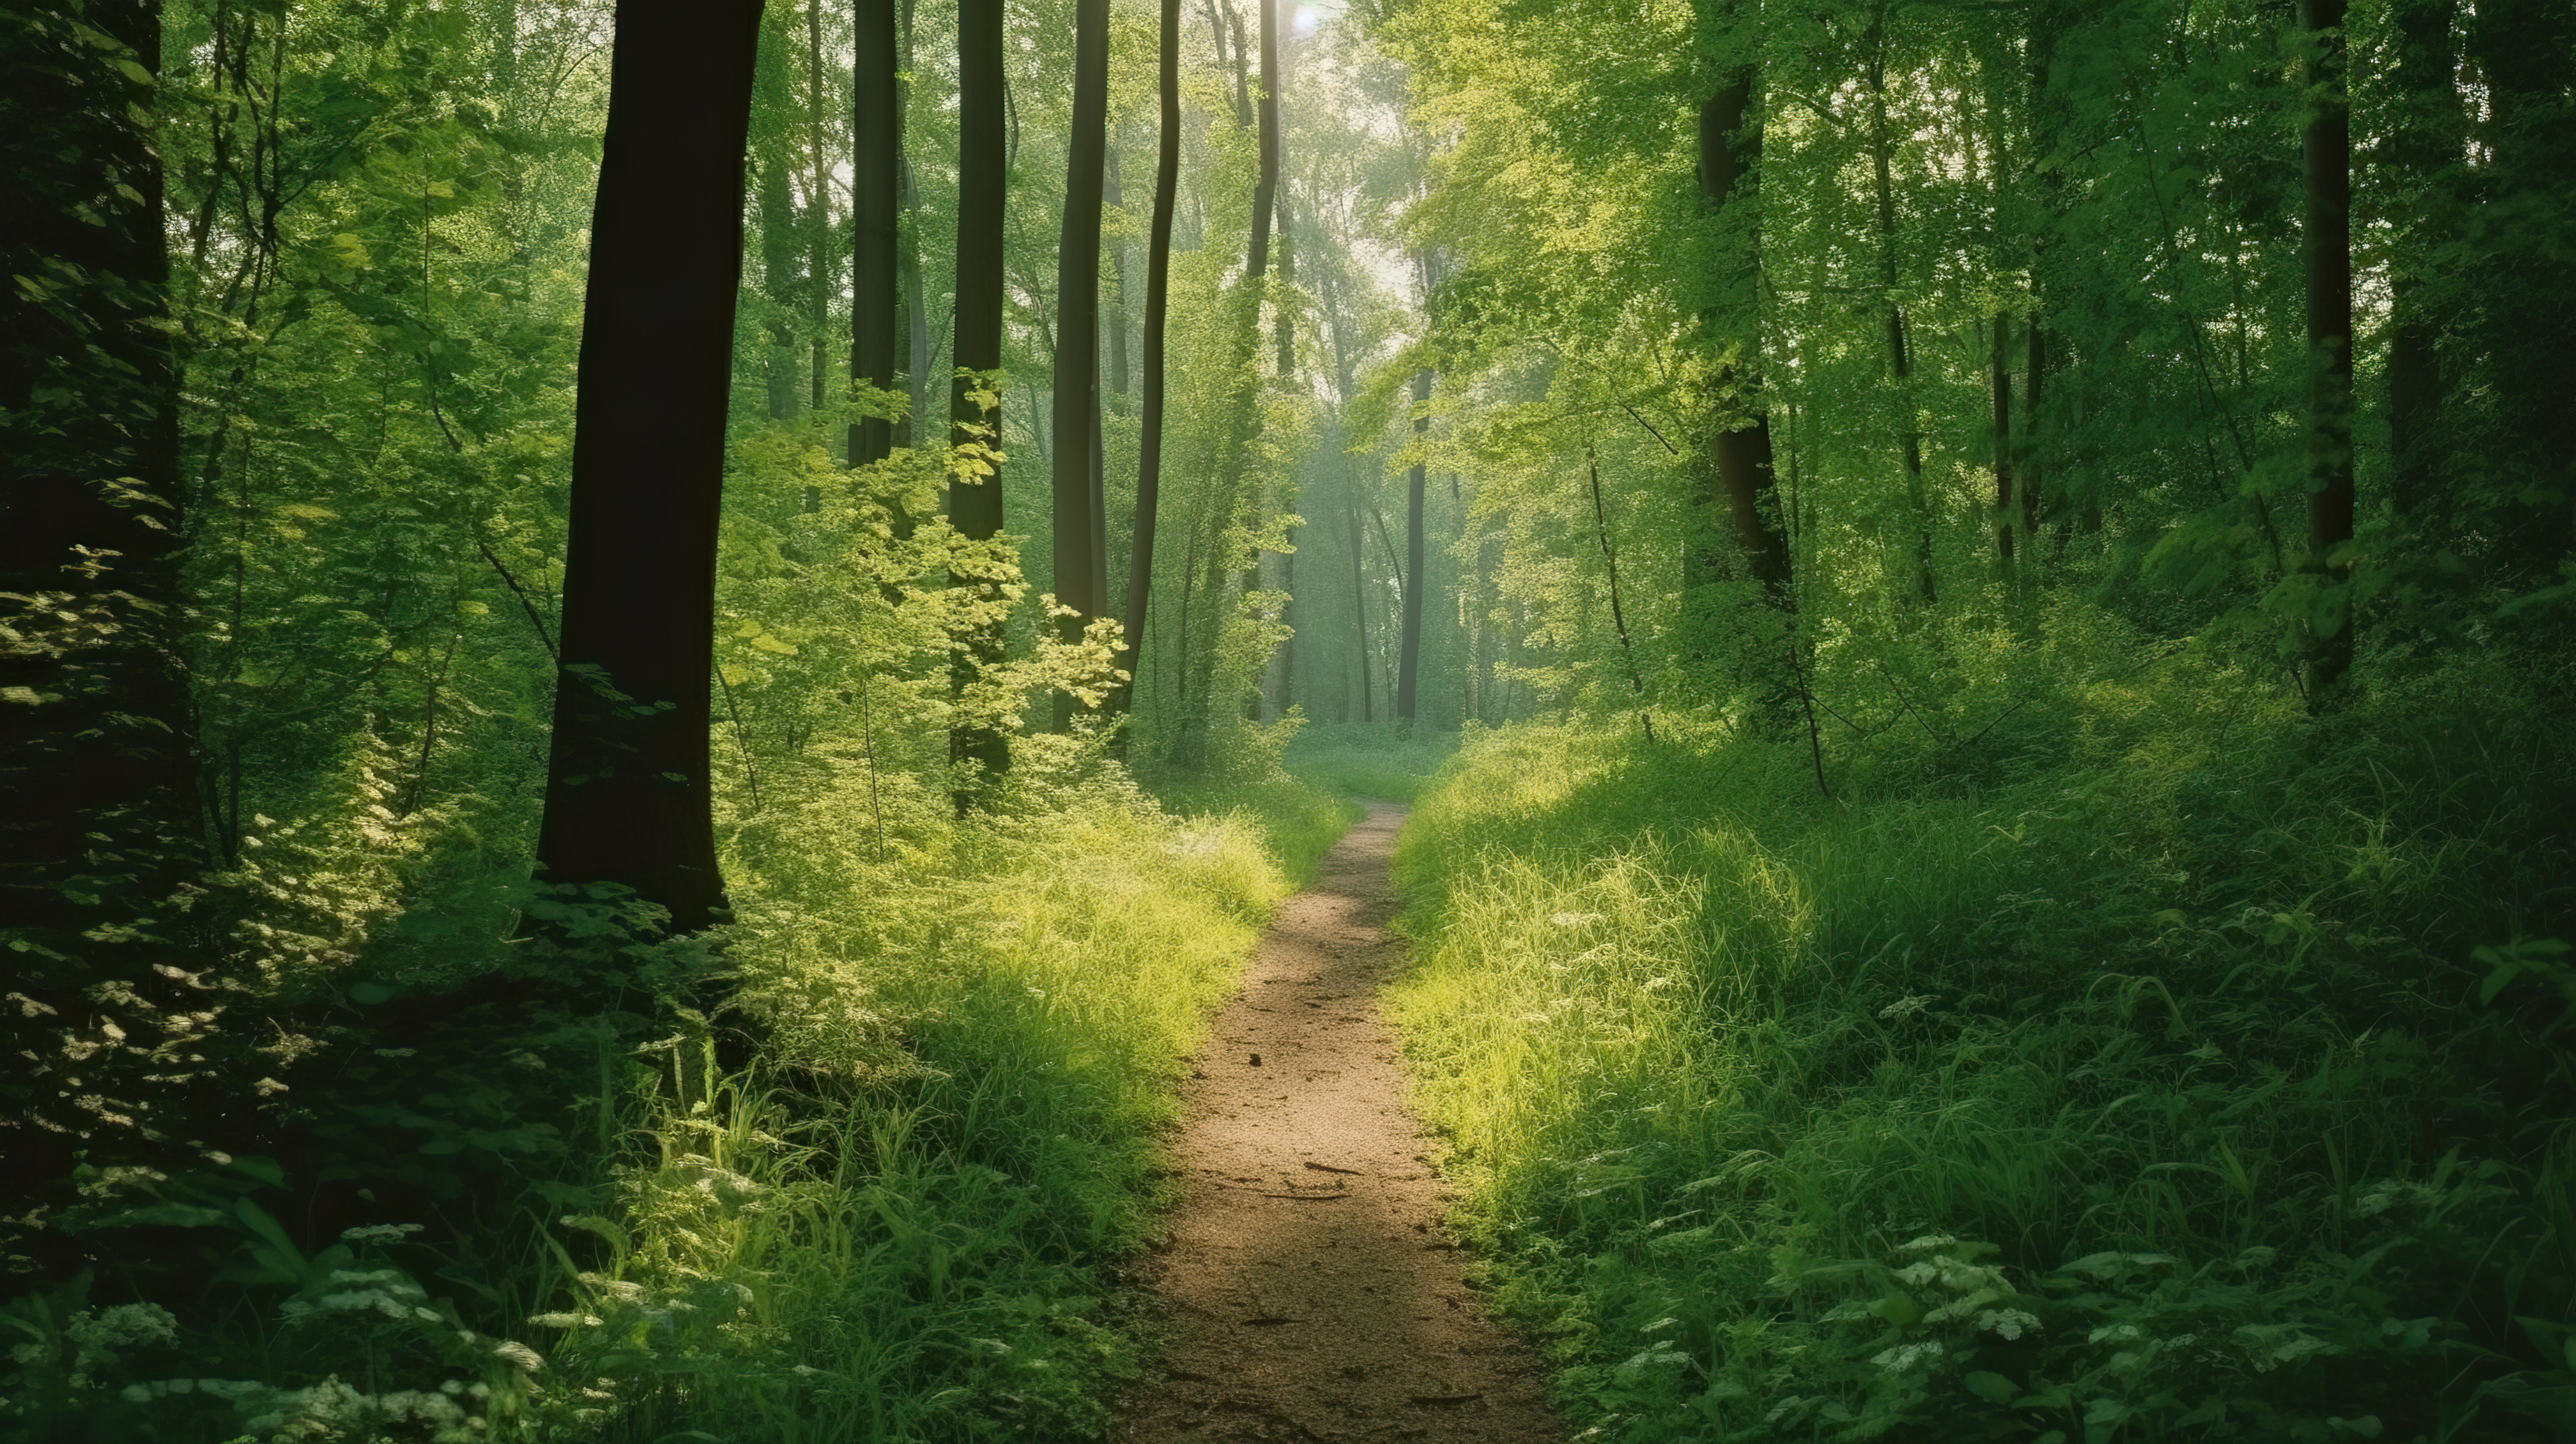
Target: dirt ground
[[1310, 1293]]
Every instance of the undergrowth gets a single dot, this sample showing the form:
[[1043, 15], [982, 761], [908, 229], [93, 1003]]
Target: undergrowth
[[2167, 1065], [884, 1195], [1387, 761]]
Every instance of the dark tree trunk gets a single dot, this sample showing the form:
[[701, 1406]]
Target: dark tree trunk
[[2427, 140], [2326, 260], [627, 790], [1730, 146], [2526, 50], [1158, 287], [2000, 397], [1359, 613], [1409, 664], [975, 501], [818, 223], [876, 169], [96, 841], [1077, 335], [1900, 358]]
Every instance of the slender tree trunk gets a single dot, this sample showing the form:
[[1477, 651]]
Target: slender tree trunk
[[2525, 51], [1730, 147], [1158, 285], [818, 294], [917, 421], [1114, 197], [627, 789], [1409, 666], [1359, 613], [1077, 336], [1900, 360], [876, 220], [2326, 254], [975, 501], [2427, 139], [2000, 396], [1618, 617]]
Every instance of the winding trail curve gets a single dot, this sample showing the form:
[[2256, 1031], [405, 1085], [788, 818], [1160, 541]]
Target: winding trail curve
[[1310, 1292]]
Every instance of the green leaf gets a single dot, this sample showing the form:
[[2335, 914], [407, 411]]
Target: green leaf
[[369, 994], [1991, 1387]]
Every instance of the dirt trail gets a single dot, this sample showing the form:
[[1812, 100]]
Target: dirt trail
[[1311, 1293]]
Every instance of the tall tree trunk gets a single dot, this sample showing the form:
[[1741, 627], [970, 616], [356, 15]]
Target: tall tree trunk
[[1359, 612], [1900, 359], [975, 500], [2000, 398], [627, 789], [1230, 571], [1409, 664], [1730, 147], [818, 294], [2525, 50], [1114, 197], [876, 183], [2427, 140], [97, 842], [917, 424], [1077, 336], [1158, 288], [2326, 256]]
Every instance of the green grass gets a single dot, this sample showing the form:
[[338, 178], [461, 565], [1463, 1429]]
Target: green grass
[[904, 1219], [2136, 1087], [905, 1224], [1381, 761]]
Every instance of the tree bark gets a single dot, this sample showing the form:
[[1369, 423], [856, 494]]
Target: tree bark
[[1730, 147], [1158, 288], [627, 789], [1077, 334], [2427, 139], [97, 840], [1359, 612], [1409, 658], [1900, 359], [876, 171], [975, 501], [2326, 262]]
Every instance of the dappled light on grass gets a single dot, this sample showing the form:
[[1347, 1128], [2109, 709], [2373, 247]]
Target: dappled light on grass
[[2121, 1091]]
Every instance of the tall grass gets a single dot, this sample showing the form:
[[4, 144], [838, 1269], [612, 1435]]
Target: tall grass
[[2136, 1086], [1386, 761], [903, 1223]]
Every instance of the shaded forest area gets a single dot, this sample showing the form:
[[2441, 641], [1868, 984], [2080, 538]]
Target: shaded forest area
[[1977, 597]]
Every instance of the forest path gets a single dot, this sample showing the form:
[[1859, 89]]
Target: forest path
[[1310, 1293]]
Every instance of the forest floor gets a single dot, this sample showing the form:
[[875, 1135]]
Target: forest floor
[[1308, 1291]]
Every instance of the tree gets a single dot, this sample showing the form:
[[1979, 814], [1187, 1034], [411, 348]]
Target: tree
[[1077, 335], [1730, 152], [2325, 145], [100, 839], [1158, 290], [877, 322], [1408, 673], [974, 409], [627, 788]]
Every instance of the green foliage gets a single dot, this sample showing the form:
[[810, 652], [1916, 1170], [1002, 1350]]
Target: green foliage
[[2062, 1077]]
